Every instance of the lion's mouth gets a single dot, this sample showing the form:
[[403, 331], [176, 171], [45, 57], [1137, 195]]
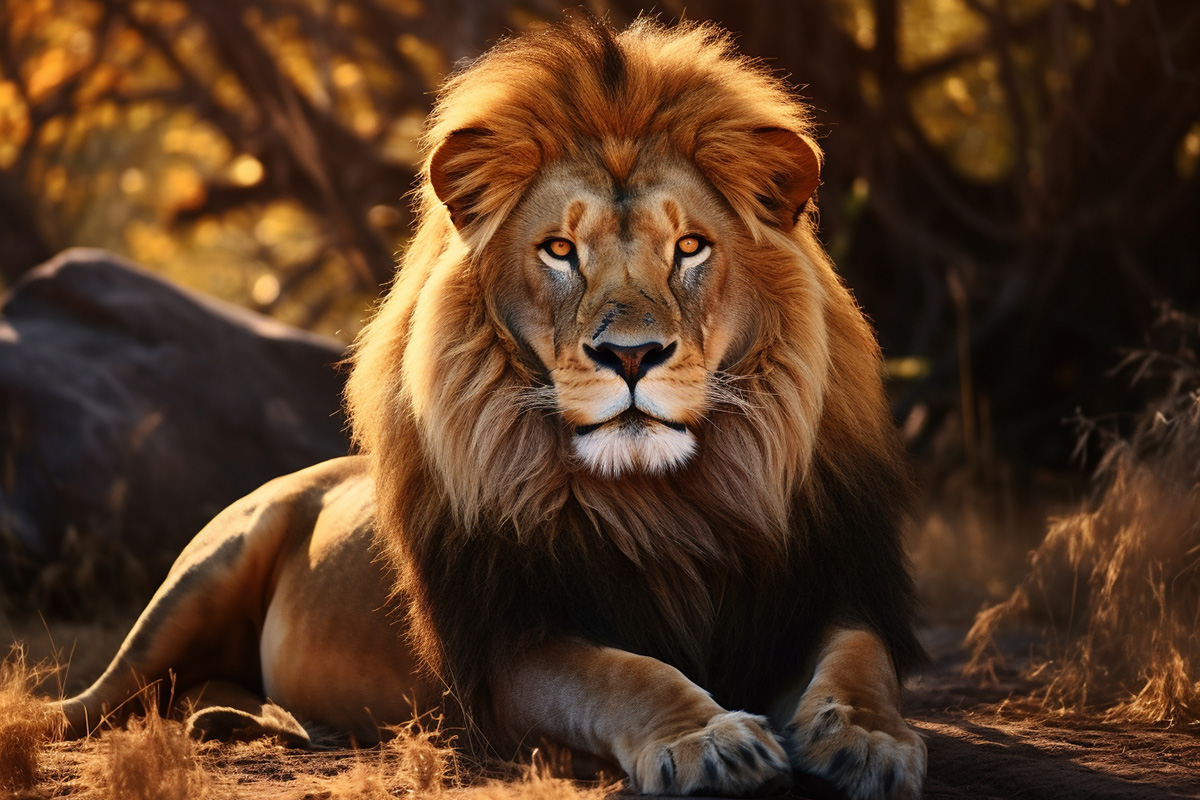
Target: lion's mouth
[[630, 418], [634, 441]]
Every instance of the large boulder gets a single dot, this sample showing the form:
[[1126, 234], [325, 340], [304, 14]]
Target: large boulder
[[131, 411]]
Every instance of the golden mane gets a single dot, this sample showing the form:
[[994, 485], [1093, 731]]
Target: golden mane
[[476, 484]]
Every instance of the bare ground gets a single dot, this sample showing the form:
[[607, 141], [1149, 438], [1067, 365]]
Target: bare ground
[[984, 742], [998, 741]]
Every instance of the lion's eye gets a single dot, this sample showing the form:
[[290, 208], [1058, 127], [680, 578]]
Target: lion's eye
[[691, 251], [559, 254]]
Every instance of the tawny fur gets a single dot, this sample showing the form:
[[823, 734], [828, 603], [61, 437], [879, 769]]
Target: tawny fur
[[798, 487]]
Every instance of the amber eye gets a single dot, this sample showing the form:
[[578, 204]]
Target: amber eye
[[559, 254], [692, 251]]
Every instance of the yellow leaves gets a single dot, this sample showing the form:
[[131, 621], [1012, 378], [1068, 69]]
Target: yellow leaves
[[265, 289], [965, 114], [149, 243], [181, 187], [207, 231], [426, 57], [228, 91], [132, 181], [121, 160], [54, 184], [907, 368], [857, 18], [45, 72], [125, 46], [405, 8], [931, 28], [96, 83], [347, 75], [384, 216], [55, 40], [282, 37], [353, 98], [14, 123], [1188, 155], [52, 132], [245, 170], [197, 141], [399, 143], [160, 12], [957, 92], [291, 234]]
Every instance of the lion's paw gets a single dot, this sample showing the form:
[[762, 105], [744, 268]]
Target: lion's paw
[[861, 764], [734, 755]]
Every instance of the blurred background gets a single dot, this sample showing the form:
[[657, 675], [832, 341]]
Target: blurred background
[[1012, 189]]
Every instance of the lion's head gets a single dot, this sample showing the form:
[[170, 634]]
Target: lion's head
[[616, 277], [626, 282]]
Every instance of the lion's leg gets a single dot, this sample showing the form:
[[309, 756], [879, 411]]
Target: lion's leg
[[847, 727], [665, 731]]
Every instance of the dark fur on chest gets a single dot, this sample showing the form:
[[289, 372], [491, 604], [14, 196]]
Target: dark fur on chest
[[483, 599]]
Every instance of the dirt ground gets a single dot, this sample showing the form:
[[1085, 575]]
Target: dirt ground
[[984, 742], [993, 742]]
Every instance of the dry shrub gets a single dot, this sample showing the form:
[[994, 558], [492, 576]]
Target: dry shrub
[[1117, 585], [536, 785], [151, 759], [415, 761], [26, 724], [422, 763]]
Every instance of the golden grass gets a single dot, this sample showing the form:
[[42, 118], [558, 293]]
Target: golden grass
[[150, 759], [153, 758], [414, 762], [26, 725], [1116, 586], [421, 764]]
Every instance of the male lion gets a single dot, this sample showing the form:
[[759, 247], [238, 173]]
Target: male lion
[[636, 480]]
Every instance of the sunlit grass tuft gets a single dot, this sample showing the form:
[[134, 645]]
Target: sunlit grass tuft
[[421, 763], [1117, 585], [152, 758], [26, 722]]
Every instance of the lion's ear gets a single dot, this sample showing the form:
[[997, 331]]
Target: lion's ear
[[794, 169], [454, 173]]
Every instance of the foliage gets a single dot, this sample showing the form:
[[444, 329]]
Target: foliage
[[997, 171]]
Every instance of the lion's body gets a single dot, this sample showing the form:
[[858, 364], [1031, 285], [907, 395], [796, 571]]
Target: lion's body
[[627, 433], [281, 595]]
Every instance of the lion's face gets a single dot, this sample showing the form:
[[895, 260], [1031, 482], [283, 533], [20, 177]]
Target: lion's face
[[628, 294]]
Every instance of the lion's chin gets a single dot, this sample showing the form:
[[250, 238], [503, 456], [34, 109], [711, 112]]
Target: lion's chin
[[634, 444]]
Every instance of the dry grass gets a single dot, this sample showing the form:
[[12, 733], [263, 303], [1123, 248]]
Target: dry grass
[[422, 764], [25, 725], [414, 762], [151, 759], [1117, 585]]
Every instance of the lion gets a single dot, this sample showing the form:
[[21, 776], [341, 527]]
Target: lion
[[628, 481]]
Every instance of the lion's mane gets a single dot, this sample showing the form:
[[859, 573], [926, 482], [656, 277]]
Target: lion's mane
[[785, 521]]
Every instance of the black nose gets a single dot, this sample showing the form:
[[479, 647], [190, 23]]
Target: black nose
[[630, 362]]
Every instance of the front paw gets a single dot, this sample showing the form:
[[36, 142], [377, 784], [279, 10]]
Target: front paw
[[733, 755], [862, 764]]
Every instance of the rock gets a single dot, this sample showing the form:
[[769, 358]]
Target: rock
[[131, 411]]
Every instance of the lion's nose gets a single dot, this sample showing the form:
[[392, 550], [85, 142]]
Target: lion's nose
[[630, 361]]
